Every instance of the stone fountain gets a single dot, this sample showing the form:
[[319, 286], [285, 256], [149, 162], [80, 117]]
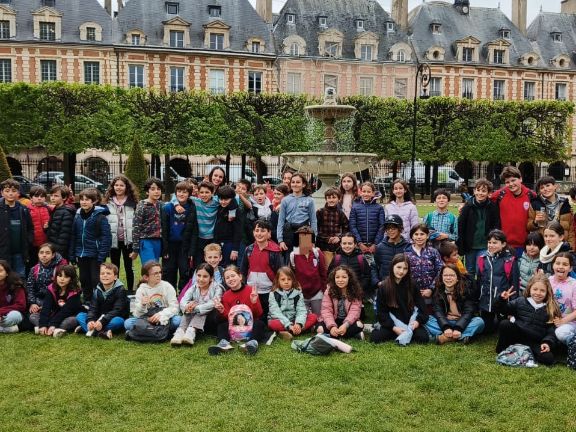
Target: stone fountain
[[328, 164]]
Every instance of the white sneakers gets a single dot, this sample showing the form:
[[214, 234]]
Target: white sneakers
[[58, 333], [182, 337], [177, 338], [9, 329]]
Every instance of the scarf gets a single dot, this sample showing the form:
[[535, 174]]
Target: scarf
[[547, 255]]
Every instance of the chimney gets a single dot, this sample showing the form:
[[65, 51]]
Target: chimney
[[519, 13], [400, 13], [568, 6], [120, 5], [108, 6], [264, 9]]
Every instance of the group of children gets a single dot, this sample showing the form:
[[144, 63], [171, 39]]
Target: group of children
[[267, 263]]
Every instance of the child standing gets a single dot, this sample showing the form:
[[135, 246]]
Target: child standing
[[260, 203], [391, 245], [332, 223], [12, 299], [147, 226], [564, 289], [443, 225], [342, 305], [402, 205], [530, 259], [228, 228], [59, 232], [367, 219], [533, 315], [553, 244], [206, 210], [61, 305], [280, 192], [212, 256], [348, 192], [40, 215]]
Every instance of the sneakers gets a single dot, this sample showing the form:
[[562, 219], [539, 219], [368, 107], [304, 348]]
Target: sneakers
[[250, 347], [222, 347], [285, 335], [368, 328], [36, 330], [177, 338], [9, 329], [105, 334], [361, 336], [189, 336], [271, 338], [78, 330], [58, 333]]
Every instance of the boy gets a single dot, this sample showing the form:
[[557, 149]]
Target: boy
[[59, 230], [478, 217], [449, 254], [547, 207], [206, 209], [332, 223], [261, 261], [175, 266], [245, 214], [16, 230], [109, 307], [228, 227], [147, 225], [441, 222], [212, 256], [350, 255], [91, 240], [392, 244], [40, 215]]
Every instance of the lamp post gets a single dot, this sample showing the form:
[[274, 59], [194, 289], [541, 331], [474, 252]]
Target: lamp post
[[423, 73]]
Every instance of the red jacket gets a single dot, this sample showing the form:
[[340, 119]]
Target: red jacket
[[12, 300], [242, 296], [40, 216], [514, 214], [310, 272]]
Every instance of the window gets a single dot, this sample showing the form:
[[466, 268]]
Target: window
[[294, 49], [216, 81], [435, 28], [91, 33], [255, 82], [215, 11], [294, 83], [323, 21], [136, 76], [366, 86], [498, 92], [556, 36], [331, 49], [4, 29], [216, 41], [331, 81], [48, 70], [366, 52], [176, 39], [49, 3], [135, 39], [435, 86], [400, 88], [360, 25], [529, 87], [467, 54], [5, 70], [91, 73], [498, 56], [47, 31], [255, 47], [468, 88], [172, 8], [561, 91], [176, 79], [401, 56], [390, 27], [505, 33], [290, 18]]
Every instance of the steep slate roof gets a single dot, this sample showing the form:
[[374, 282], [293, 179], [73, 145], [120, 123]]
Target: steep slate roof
[[74, 13], [547, 22], [341, 15], [148, 15], [482, 23]]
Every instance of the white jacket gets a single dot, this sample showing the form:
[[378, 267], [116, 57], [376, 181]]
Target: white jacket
[[162, 295], [113, 221]]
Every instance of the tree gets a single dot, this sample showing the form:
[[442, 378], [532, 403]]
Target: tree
[[136, 169], [4, 167]]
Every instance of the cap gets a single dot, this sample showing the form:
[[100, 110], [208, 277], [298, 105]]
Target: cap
[[393, 219]]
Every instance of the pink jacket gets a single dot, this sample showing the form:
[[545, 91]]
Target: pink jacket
[[329, 310]]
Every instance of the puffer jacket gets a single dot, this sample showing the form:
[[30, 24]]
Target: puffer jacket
[[409, 214], [329, 310], [59, 230], [111, 303], [40, 215], [40, 277], [367, 221], [492, 279], [357, 262], [385, 251], [563, 215], [27, 231], [129, 209], [88, 239], [288, 307], [527, 267], [56, 308], [467, 306]]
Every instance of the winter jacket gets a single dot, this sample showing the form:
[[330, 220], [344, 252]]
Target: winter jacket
[[57, 308], [310, 271], [174, 225], [40, 277], [402, 312], [563, 215], [147, 223], [288, 307], [110, 303], [26, 230], [91, 237], [513, 211], [60, 227], [492, 279], [129, 209], [275, 261], [467, 223], [332, 222], [40, 216], [367, 221], [12, 300], [329, 310], [226, 230], [408, 212], [527, 267], [193, 294], [190, 234], [535, 323], [467, 306], [357, 262], [242, 296], [162, 295], [385, 251], [425, 266]]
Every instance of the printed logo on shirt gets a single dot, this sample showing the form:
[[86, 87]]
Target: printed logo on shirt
[[526, 205]]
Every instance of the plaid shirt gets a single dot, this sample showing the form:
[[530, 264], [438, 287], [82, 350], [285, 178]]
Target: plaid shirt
[[442, 223], [332, 222]]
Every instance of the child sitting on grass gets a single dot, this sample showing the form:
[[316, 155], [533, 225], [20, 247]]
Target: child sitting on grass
[[12, 299]]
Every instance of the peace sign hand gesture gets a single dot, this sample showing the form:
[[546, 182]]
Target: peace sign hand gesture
[[507, 294]]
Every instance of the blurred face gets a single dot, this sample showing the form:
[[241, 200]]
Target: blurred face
[[260, 196], [285, 282], [119, 188], [278, 196], [182, 195], [62, 280], [296, 184], [10, 194], [45, 255], [420, 238], [86, 204], [203, 279], [341, 279], [532, 250], [3, 274], [561, 268], [287, 178], [514, 184], [154, 193], [538, 292], [449, 277], [225, 202], [217, 177], [261, 235], [38, 200], [332, 200], [366, 193], [347, 244], [107, 277], [495, 246], [398, 191], [233, 280], [56, 199], [155, 276], [213, 258], [205, 194], [552, 239], [441, 202], [241, 189], [194, 189], [347, 184], [548, 190], [481, 193], [392, 231], [400, 270]]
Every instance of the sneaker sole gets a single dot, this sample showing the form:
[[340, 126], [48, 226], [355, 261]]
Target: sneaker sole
[[187, 342], [176, 344], [250, 350], [215, 350]]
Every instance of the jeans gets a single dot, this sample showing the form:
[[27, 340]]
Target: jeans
[[150, 250], [18, 265], [471, 261], [11, 319], [474, 327], [565, 332], [174, 323], [116, 324]]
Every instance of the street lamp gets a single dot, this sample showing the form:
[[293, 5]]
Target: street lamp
[[423, 73]]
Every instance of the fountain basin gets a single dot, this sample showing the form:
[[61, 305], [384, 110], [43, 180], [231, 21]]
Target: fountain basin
[[330, 112], [333, 163]]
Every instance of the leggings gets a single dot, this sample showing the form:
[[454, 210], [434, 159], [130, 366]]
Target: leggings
[[124, 250]]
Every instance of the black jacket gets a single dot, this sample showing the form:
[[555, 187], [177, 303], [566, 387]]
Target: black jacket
[[59, 230], [56, 309], [111, 304], [27, 231], [467, 223], [385, 251], [226, 230], [401, 312], [467, 306], [190, 234], [353, 260]]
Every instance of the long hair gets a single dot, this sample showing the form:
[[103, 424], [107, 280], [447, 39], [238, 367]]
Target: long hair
[[459, 288], [407, 193], [131, 190], [13, 280], [235, 269], [551, 305], [353, 290], [305, 188], [286, 271], [68, 271], [391, 288], [354, 185]]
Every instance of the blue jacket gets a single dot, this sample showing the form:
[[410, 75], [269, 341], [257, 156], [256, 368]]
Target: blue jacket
[[367, 221], [492, 279], [383, 256], [91, 237]]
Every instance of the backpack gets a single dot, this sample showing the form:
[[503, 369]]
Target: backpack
[[516, 356], [278, 299], [359, 257], [507, 265], [240, 322], [571, 358], [143, 331], [316, 345], [316, 252]]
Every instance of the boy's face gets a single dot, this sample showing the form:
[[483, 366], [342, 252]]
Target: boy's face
[[86, 203], [452, 259], [392, 231], [225, 202], [205, 194], [481, 193], [182, 196], [56, 199], [261, 235], [278, 196], [213, 258], [241, 189], [260, 196], [154, 193], [367, 193], [38, 200], [548, 190], [347, 244], [441, 202], [107, 277], [332, 200], [10, 194], [514, 184]]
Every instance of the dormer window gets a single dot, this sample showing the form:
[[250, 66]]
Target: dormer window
[[360, 25], [331, 49], [49, 3], [323, 21], [390, 27], [4, 29], [498, 56], [90, 33], [214, 11], [255, 47], [47, 31], [505, 33], [291, 18], [435, 28], [172, 8], [556, 36], [136, 39]]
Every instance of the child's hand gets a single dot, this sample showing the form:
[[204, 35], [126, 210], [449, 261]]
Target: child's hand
[[372, 249], [233, 255], [254, 295], [442, 236], [334, 332], [363, 247], [145, 300], [557, 321], [544, 348], [34, 308], [43, 331], [334, 240], [449, 333], [179, 209], [50, 331], [414, 325], [218, 304], [98, 325], [507, 294], [397, 330], [283, 246], [342, 329], [456, 334], [154, 319], [45, 226], [191, 306], [426, 293], [91, 325], [133, 255]]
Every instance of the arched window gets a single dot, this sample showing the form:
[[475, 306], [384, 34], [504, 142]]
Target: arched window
[[294, 49], [401, 56]]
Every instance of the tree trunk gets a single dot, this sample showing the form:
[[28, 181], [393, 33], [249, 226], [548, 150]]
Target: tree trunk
[[70, 170], [168, 180]]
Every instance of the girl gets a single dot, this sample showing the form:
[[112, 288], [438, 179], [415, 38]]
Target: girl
[[40, 277], [530, 259], [348, 192], [553, 244], [12, 299], [401, 311], [402, 205], [147, 235], [260, 203], [121, 199], [217, 177], [287, 178], [533, 319], [367, 220], [497, 271], [564, 289], [455, 309], [155, 294], [62, 304], [296, 210], [349, 255], [425, 261], [288, 314], [197, 307], [342, 305]]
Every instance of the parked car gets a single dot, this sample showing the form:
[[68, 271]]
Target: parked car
[[81, 182], [25, 183], [47, 178], [273, 180]]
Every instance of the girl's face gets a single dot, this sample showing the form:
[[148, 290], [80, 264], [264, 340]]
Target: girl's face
[[552, 238], [420, 238], [119, 188], [341, 279], [233, 280], [62, 280], [3, 274], [367, 193], [400, 270], [287, 178], [217, 177], [399, 191], [296, 184], [495, 246], [538, 292], [532, 250], [154, 276], [260, 196], [561, 268], [45, 255], [278, 196], [449, 277], [347, 244], [154, 193], [347, 184], [285, 282], [203, 278]]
